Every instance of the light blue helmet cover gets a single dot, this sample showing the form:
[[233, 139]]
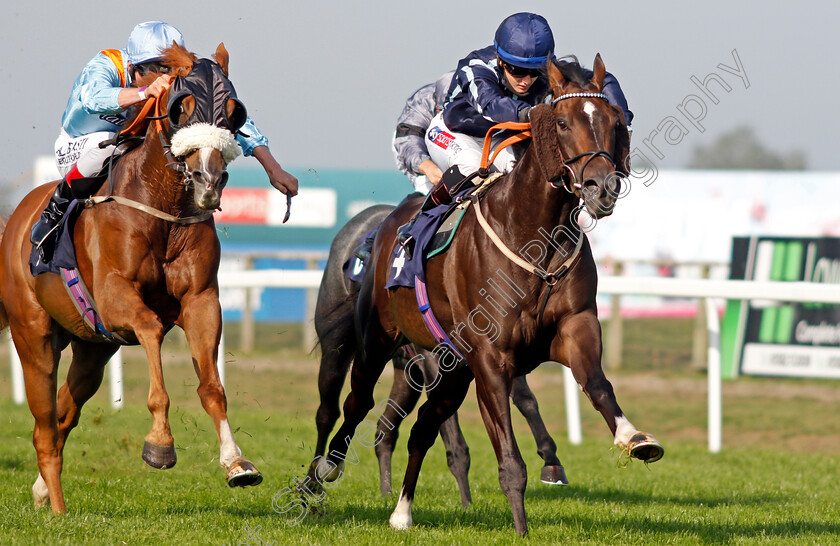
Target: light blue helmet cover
[[149, 39]]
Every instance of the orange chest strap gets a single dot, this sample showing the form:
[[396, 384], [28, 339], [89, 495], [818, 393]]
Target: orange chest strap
[[486, 159], [116, 56]]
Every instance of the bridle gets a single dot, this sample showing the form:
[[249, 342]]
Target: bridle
[[550, 278], [575, 181]]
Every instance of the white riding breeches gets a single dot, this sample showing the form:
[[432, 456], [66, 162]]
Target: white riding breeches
[[448, 148], [83, 151]]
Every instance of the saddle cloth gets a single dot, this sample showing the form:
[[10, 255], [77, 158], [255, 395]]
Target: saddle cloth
[[433, 231], [65, 252]]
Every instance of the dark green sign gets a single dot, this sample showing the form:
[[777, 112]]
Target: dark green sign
[[766, 337]]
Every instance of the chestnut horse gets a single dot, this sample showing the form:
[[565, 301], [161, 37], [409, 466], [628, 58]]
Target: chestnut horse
[[505, 314], [334, 323], [147, 270]]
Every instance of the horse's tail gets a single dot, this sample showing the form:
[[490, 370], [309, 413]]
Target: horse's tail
[[4, 320]]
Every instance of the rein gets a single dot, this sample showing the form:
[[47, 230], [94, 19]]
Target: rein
[[173, 163], [91, 201]]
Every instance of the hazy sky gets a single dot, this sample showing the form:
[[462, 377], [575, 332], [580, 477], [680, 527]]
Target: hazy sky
[[325, 81]]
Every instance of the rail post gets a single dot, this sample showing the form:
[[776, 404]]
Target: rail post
[[700, 339], [615, 331], [246, 341]]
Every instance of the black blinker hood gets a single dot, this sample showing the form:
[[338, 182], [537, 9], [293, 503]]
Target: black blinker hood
[[211, 89]]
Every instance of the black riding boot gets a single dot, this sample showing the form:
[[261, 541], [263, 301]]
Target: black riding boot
[[441, 194], [46, 226], [363, 251]]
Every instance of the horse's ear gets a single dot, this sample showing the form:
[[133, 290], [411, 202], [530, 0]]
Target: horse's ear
[[598, 72], [546, 142], [222, 58], [621, 145]]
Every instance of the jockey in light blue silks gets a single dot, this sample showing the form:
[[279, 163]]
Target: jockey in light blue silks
[[113, 81]]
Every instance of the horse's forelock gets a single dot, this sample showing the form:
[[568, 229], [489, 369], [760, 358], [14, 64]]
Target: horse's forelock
[[178, 59]]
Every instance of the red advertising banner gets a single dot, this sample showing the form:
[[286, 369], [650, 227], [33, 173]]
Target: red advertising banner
[[244, 206]]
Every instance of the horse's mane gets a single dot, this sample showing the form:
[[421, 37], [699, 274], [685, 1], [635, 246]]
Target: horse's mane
[[178, 59], [570, 67], [180, 63]]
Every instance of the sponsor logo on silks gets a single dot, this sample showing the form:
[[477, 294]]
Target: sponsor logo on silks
[[399, 262], [440, 138], [115, 119]]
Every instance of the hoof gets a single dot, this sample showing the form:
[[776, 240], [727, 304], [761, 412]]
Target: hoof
[[554, 475], [241, 473], [159, 457], [646, 448], [400, 522], [325, 471]]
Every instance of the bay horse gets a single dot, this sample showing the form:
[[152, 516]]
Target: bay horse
[[146, 270], [541, 308], [334, 324]]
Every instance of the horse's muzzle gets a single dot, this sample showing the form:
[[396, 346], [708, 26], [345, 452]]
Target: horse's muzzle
[[207, 188], [600, 195]]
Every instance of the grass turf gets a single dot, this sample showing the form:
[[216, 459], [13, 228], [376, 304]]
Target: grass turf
[[774, 482]]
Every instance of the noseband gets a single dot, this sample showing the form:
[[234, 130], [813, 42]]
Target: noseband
[[575, 182]]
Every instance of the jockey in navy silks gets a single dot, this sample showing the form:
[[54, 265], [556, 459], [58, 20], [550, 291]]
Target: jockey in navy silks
[[110, 83], [496, 84]]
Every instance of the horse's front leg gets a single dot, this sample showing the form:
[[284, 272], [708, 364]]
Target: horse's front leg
[[201, 319], [123, 308], [578, 346]]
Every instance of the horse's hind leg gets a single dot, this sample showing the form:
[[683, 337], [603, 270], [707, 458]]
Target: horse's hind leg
[[552, 471], [404, 397], [39, 356], [364, 374], [83, 380], [338, 345], [578, 345], [457, 456], [202, 324], [457, 451], [493, 390], [444, 400]]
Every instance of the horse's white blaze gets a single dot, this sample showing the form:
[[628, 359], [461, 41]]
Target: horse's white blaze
[[624, 430], [401, 518], [589, 110], [204, 159], [40, 493], [229, 451]]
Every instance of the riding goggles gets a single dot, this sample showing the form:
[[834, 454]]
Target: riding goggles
[[519, 72]]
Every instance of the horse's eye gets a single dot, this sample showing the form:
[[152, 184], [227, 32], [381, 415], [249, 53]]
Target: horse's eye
[[561, 123]]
